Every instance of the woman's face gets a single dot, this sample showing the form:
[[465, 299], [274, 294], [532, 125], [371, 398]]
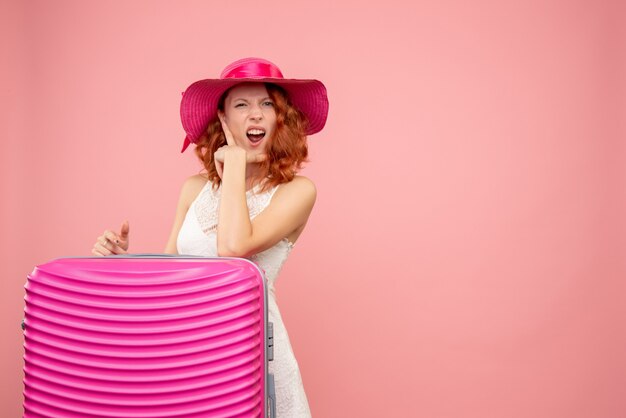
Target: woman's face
[[250, 115]]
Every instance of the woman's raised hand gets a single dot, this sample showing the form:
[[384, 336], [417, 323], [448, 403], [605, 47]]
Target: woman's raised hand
[[111, 243], [231, 146]]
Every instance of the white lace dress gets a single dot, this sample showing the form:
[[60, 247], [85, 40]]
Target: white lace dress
[[198, 236]]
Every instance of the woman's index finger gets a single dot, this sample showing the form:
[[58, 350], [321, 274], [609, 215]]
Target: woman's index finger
[[229, 136]]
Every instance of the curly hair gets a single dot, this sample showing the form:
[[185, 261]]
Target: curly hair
[[286, 149]]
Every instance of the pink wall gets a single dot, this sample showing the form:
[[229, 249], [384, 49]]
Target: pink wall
[[466, 254]]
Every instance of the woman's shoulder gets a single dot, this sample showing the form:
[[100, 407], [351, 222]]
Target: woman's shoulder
[[192, 186], [301, 186], [302, 182], [195, 182], [196, 179]]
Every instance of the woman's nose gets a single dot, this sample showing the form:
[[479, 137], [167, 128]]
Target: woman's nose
[[256, 113]]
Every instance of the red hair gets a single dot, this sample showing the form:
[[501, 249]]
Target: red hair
[[286, 149]]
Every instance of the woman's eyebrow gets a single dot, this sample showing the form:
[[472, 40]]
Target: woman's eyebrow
[[241, 98]]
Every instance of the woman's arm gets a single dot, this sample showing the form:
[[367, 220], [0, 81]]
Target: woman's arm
[[288, 210], [233, 223], [191, 188]]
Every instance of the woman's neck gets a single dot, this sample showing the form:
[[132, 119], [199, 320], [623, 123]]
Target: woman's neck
[[252, 175]]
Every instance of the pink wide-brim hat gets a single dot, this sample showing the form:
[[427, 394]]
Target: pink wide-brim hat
[[199, 104]]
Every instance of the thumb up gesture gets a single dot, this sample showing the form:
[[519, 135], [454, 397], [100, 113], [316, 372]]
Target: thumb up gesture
[[111, 243]]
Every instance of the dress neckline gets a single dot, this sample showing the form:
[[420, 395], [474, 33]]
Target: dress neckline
[[209, 185], [248, 192], [257, 187]]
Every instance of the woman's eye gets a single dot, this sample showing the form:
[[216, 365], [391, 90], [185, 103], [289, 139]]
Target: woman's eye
[[240, 104], [268, 103]]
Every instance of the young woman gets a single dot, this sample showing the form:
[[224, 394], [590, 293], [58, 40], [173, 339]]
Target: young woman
[[250, 128]]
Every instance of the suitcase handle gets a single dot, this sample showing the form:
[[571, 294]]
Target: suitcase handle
[[270, 341], [271, 397], [142, 255]]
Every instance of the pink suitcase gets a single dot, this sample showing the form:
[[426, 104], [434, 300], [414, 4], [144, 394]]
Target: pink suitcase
[[147, 336]]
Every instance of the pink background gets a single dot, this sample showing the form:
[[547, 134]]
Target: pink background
[[466, 254]]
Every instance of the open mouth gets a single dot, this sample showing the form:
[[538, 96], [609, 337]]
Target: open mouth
[[255, 135]]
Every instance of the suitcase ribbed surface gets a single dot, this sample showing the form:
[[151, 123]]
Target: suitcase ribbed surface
[[123, 337]]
